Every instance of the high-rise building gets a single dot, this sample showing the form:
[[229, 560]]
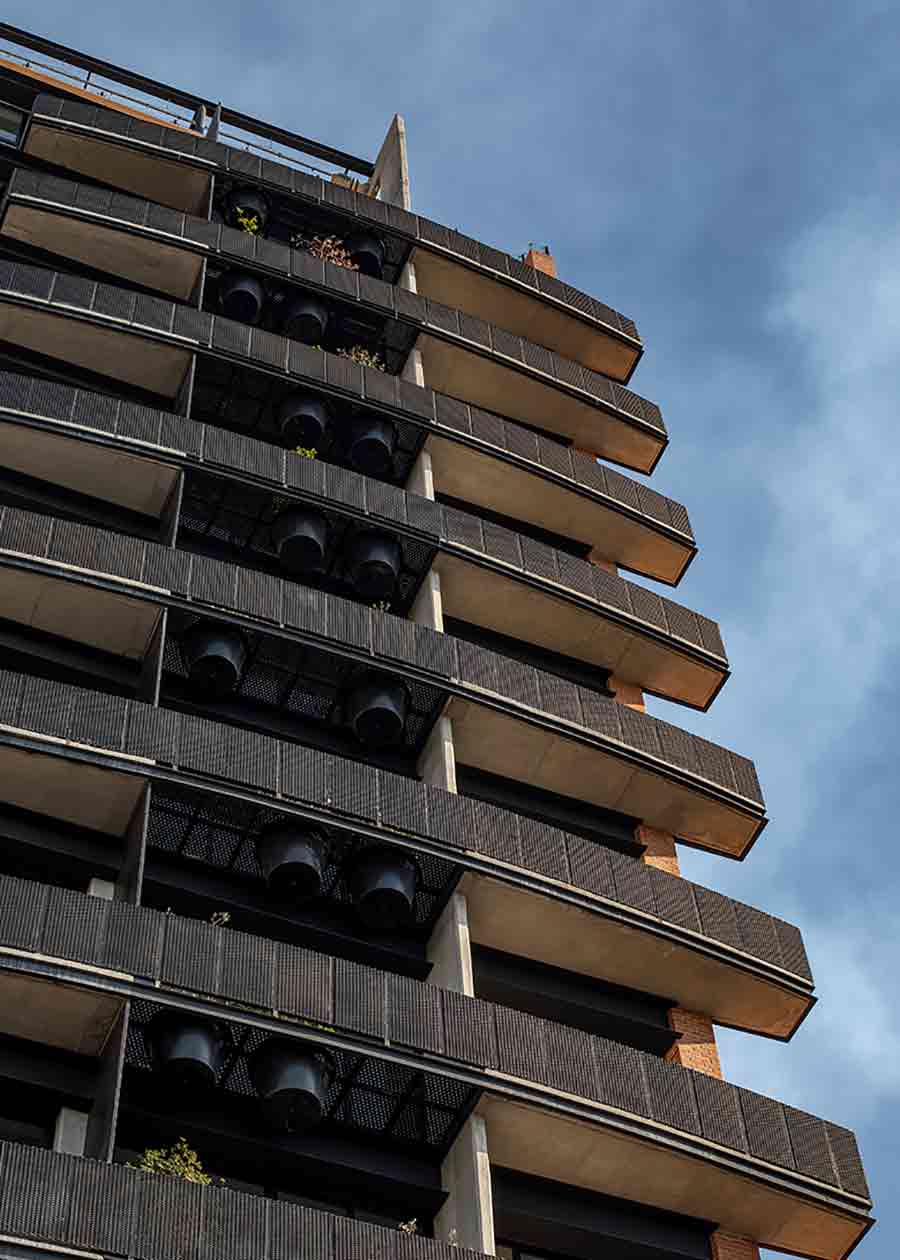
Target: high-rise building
[[336, 839]]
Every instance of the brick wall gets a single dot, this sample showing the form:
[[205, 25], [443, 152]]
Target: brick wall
[[729, 1247], [697, 1047], [541, 262], [660, 849]]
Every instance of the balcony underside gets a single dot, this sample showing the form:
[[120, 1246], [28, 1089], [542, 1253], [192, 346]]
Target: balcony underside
[[145, 260], [521, 922], [149, 365], [450, 281], [494, 730], [486, 382], [658, 1173], [88, 768], [472, 590], [558, 1103], [476, 476], [127, 251], [53, 1013], [486, 597], [512, 746], [89, 327], [139, 170]]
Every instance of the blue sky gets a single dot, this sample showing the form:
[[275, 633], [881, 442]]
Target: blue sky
[[727, 174]]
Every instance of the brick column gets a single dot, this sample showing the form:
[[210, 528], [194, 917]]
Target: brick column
[[696, 1049], [730, 1247], [541, 261], [627, 693], [660, 848]]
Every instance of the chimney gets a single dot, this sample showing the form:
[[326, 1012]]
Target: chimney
[[541, 261]]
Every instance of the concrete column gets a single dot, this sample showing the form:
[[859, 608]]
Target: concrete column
[[437, 764], [413, 369], [104, 888], [467, 1217], [450, 950], [428, 608], [421, 476], [70, 1131]]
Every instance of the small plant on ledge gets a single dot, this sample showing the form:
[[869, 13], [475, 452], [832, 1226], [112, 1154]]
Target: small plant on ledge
[[308, 452], [381, 605], [246, 221], [180, 1160], [328, 248], [368, 358], [409, 1227], [220, 918]]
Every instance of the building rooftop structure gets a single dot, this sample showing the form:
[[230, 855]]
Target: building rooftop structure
[[337, 838]]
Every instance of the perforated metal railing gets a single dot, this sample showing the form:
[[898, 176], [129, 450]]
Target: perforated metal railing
[[441, 1025], [296, 182], [212, 447], [392, 302], [440, 657], [356, 793], [120, 1211]]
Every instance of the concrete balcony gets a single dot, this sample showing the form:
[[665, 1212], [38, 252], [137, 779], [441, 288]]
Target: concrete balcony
[[467, 358], [85, 758], [509, 719], [174, 168], [557, 1102], [490, 576], [146, 342]]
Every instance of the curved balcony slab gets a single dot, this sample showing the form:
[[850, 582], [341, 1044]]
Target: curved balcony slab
[[627, 923], [465, 358], [510, 719], [490, 576], [174, 168], [550, 1093], [147, 342]]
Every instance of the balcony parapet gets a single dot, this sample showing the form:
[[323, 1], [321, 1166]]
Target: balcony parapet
[[147, 341], [643, 638], [464, 356], [506, 713], [526, 1067], [606, 341], [759, 977]]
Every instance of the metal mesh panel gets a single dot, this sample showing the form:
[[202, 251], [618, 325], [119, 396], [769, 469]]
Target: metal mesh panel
[[36, 1192], [234, 1224], [134, 940], [192, 955], [170, 1211], [809, 1142], [849, 1166], [674, 899], [74, 926], [591, 867], [23, 907], [522, 1044], [247, 967], [297, 1231], [632, 882], [766, 1130], [717, 916], [570, 1063], [102, 1208], [469, 1030], [671, 1094], [719, 1110], [303, 983], [619, 1078], [359, 998], [415, 1014]]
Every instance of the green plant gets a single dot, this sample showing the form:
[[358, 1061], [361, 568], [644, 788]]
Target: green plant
[[180, 1160], [368, 358], [247, 222], [328, 248], [409, 1227], [381, 605], [219, 918], [308, 452]]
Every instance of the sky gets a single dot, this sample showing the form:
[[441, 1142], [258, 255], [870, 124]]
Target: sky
[[727, 174]]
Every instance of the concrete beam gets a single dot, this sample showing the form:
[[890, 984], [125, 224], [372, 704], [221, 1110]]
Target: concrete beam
[[437, 764]]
